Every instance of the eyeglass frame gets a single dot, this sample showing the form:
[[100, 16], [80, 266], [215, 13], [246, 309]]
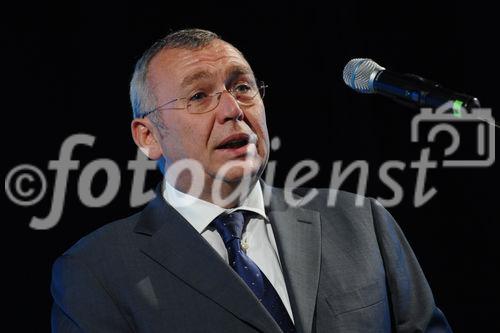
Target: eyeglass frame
[[260, 86]]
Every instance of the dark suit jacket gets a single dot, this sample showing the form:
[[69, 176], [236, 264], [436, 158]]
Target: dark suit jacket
[[347, 269]]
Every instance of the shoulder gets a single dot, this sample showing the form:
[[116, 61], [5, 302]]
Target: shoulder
[[327, 201], [339, 210], [107, 241]]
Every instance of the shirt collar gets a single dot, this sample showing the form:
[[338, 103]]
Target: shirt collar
[[200, 213]]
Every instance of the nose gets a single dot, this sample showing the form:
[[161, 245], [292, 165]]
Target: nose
[[228, 108]]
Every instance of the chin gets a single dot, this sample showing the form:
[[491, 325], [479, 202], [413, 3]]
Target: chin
[[243, 170], [238, 176]]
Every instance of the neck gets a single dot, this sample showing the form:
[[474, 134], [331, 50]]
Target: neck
[[220, 192]]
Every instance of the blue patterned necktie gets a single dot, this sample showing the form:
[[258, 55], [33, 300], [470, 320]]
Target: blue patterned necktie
[[230, 227]]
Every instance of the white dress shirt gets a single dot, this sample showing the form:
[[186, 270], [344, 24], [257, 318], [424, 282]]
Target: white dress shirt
[[258, 237]]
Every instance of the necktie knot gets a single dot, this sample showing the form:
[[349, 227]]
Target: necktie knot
[[230, 226]]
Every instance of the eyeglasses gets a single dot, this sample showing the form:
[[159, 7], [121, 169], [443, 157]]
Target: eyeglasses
[[200, 102]]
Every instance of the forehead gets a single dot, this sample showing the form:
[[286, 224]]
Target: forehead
[[172, 66]]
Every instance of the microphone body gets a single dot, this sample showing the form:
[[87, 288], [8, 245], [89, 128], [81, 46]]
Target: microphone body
[[366, 76]]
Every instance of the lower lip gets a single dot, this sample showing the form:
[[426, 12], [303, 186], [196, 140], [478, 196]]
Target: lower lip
[[240, 151]]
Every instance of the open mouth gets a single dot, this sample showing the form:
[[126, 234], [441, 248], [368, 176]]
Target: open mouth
[[236, 141], [233, 144]]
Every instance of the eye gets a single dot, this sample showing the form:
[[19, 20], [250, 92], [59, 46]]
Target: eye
[[197, 97], [242, 88]]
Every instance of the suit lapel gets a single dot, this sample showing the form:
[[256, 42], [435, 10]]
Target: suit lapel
[[177, 247], [298, 237]]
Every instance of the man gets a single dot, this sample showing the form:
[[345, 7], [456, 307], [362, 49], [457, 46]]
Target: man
[[207, 254]]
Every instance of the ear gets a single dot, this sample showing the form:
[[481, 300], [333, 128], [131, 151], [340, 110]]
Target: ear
[[144, 137]]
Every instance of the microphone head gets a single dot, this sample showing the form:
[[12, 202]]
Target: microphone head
[[360, 73]]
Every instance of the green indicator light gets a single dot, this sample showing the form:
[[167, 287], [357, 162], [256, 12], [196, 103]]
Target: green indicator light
[[457, 108]]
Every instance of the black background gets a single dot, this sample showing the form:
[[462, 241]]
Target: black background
[[67, 71]]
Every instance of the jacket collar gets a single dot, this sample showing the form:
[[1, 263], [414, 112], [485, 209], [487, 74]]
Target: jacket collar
[[176, 246]]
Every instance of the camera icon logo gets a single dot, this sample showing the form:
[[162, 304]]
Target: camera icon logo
[[453, 113]]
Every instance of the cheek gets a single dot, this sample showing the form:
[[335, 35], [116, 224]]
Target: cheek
[[186, 137], [261, 119], [257, 121]]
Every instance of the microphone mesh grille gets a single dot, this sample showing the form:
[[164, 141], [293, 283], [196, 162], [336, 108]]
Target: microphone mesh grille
[[358, 74]]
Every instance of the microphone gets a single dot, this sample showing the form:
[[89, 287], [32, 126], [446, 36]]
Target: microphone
[[368, 77]]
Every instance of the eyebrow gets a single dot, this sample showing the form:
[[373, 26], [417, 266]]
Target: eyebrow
[[231, 73], [188, 80], [234, 71]]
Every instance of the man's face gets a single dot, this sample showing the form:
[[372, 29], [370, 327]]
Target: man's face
[[230, 132]]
